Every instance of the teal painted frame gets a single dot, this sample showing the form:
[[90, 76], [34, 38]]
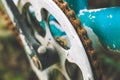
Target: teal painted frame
[[104, 22]]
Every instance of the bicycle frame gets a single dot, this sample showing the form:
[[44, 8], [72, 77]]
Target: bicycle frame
[[103, 22]]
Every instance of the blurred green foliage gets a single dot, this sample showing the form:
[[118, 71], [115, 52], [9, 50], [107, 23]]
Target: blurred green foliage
[[14, 64]]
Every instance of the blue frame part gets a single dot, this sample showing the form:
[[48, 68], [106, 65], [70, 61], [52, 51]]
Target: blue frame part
[[105, 23]]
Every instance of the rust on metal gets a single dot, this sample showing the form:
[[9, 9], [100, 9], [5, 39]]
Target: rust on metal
[[82, 33]]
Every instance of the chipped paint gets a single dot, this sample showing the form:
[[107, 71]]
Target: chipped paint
[[114, 46], [96, 10], [110, 16], [91, 17], [81, 12], [103, 21]]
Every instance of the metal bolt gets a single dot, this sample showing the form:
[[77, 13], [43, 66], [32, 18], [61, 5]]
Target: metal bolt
[[36, 62]]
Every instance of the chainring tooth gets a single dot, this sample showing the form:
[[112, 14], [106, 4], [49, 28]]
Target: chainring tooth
[[82, 33]]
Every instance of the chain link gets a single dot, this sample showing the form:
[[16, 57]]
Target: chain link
[[82, 33]]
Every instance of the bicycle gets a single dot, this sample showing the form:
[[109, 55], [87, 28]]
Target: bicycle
[[46, 37]]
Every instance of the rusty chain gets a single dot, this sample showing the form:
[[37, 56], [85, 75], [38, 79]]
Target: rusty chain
[[82, 33]]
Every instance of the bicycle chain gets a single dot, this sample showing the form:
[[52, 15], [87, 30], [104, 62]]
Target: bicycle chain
[[82, 33]]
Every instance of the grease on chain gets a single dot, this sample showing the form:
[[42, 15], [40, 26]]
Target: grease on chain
[[82, 33], [9, 24]]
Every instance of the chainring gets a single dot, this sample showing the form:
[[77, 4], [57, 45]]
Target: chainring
[[75, 33]]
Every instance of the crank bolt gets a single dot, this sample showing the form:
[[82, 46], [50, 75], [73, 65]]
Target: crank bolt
[[36, 62]]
